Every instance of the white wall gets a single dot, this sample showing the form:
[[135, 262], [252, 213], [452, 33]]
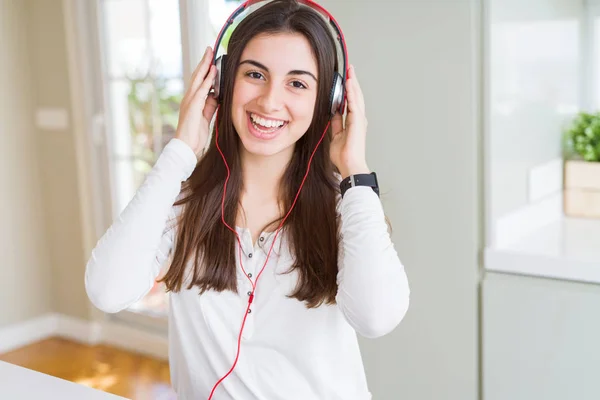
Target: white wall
[[534, 69], [56, 149], [418, 68], [41, 232], [25, 273]]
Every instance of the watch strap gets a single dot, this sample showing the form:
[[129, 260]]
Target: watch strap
[[360, 180]]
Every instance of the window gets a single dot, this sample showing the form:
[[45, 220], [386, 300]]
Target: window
[[144, 47], [591, 75], [596, 63]]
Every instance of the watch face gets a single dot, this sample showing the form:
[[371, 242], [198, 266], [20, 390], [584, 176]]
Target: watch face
[[366, 179]]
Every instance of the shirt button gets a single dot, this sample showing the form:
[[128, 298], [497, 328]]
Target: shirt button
[[250, 255], [249, 293], [249, 274], [249, 311], [262, 239]]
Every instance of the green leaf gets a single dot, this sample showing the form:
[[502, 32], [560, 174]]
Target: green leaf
[[582, 137]]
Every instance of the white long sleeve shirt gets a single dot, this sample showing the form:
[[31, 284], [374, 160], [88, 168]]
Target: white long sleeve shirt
[[288, 352]]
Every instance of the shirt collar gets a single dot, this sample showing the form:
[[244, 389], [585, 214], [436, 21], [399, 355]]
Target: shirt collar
[[264, 244]]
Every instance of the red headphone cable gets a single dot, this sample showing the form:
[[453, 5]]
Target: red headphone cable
[[251, 298]]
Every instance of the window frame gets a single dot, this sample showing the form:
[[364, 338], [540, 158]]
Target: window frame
[[88, 71], [590, 56]]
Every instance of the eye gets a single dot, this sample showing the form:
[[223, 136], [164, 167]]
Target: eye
[[254, 75], [298, 85]]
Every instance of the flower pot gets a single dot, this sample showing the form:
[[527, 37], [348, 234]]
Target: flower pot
[[582, 189]]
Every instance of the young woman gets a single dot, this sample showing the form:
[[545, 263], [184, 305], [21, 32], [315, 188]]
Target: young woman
[[271, 270]]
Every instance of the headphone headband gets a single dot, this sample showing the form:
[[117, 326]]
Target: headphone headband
[[326, 14]]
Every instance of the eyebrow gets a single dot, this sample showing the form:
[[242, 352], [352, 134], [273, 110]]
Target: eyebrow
[[292, 72]]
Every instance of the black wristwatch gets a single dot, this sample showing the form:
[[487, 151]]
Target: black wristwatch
[[360, 180]]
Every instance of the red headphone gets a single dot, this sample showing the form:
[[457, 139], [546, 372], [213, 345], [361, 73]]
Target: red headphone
[[337, 101], [337, 97]]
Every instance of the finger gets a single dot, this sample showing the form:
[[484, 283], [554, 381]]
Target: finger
[[337, 124], [201, 71], [189, 95], [200, 96], [206, 84], [359, 97], [351, 95], [195, 71], [207, 55]]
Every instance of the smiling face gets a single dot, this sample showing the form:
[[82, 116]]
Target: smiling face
[[274, 93]]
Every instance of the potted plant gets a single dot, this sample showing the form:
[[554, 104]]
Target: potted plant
[[582, 166]]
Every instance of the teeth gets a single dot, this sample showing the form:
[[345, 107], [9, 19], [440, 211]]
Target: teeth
[[267, 123]]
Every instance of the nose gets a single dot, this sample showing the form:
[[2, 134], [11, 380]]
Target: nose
[[271, 98]]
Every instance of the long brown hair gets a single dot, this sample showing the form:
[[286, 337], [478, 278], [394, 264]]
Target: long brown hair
[[311, 229]]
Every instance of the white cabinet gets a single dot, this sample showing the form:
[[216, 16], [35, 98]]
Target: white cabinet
[[540, 339]]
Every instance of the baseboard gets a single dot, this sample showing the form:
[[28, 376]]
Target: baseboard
[[27, 332], [89, 332]]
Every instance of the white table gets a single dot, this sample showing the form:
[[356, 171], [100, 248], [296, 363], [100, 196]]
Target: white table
[[18, 383]]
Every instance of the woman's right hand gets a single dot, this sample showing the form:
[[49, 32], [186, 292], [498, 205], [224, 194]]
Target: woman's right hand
[[197, 107]]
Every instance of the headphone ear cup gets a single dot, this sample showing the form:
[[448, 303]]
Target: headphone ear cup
[[219, 78], [336, 95]]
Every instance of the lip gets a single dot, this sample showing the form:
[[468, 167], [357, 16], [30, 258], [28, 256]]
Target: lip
[[266, 117], [261, 135]]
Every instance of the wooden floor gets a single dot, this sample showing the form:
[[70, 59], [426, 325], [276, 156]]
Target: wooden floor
[[106, 368]]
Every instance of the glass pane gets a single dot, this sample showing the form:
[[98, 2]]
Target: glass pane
[[165, 37], [142, 113], [126, 37], [597, 61], [131, 136], [128, 177], [219, 11], [120, 132], [169, 93], [144, 118], [119, 109]]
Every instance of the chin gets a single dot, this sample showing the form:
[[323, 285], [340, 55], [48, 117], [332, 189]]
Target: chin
[[257, 148]]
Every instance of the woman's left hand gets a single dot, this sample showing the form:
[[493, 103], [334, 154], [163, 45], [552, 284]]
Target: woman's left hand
[[348, 144]]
